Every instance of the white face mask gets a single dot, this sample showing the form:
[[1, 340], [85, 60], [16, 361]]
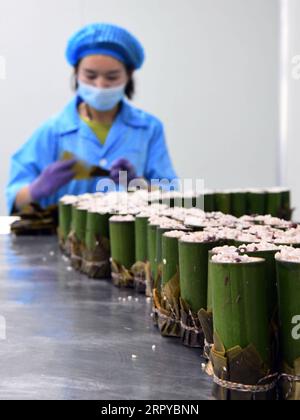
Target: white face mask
[[99, 98]]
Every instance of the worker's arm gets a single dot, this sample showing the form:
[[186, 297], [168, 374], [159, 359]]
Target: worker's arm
[[23, 198], [47, 183], [35, 173]]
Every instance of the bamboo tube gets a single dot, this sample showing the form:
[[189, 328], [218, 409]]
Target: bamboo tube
[[190, 201], [159, 239], [172, 199], [209, 304], [227, 249], [274, 202], [266, 252], [97, 226], [65, 215], [170, 255], [122, 236], [193, 263], [239, 203], [141, 239], [286, 199], [151, 240], [237, 289], [288, 274], [79, 218], [256, 202], [223, 202], [209, 201], [287, 210]]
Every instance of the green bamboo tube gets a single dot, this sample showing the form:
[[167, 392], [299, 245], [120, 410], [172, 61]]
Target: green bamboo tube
[[198, 201], [209, 202], [209, 305], [223, 202], [193, 268], [239, 203], [73, 211], [238, 288], [190, 201], [151, 240], [160, 231], [97, 225], [269, 257], [79, 218], [286, 199], [141, 239], [65, 216], [288, 275], [256, 202], [221, 243], [172, 200], [280, 202], [286, 204], [274, 202], [170, 257], [122, 239]]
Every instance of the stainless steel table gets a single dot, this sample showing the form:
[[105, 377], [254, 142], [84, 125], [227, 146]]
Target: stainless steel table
[[68, 337]]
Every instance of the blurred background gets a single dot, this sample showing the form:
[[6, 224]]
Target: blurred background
[[220, 74]]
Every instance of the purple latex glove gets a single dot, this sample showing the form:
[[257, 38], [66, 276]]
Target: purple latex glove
[[52, 179], [122, 165]]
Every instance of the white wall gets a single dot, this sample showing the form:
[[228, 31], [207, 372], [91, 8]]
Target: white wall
[[211, 75], [291, 98]]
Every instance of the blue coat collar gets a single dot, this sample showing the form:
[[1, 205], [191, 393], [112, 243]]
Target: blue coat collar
[[69, 120]]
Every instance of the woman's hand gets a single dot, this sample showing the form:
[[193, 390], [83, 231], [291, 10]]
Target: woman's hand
[[52, 179], [122, 165]]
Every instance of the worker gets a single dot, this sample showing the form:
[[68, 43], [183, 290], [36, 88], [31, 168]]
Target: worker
[[99, 126]]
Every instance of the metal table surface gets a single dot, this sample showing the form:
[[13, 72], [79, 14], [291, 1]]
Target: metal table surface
[[68, 337]]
